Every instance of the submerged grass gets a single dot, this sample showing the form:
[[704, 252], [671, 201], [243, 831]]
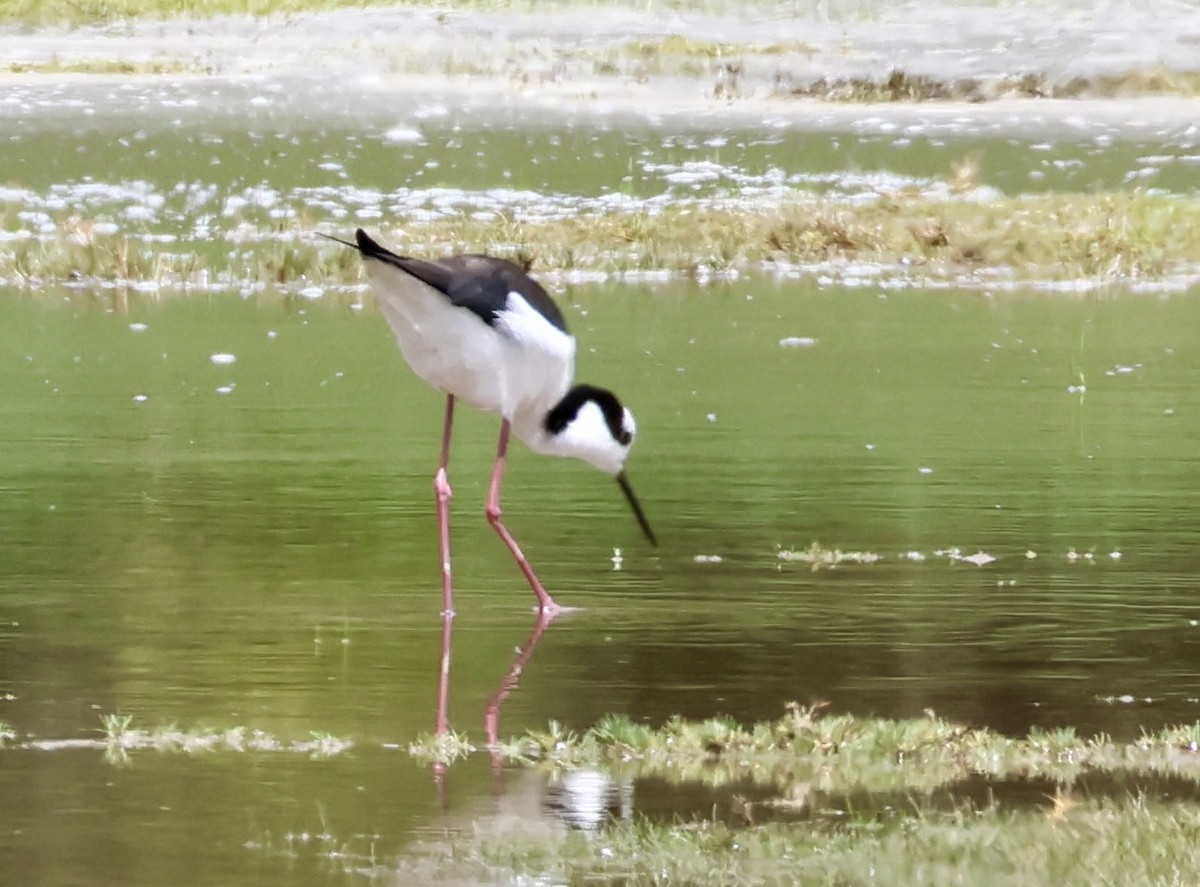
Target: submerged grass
[[1133, 842], [844, 753], [844, 800], [975, 237], [808, 798]]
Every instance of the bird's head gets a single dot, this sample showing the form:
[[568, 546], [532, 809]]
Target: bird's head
[[591, 424]]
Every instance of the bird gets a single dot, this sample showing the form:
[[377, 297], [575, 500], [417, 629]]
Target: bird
[[481, 330]]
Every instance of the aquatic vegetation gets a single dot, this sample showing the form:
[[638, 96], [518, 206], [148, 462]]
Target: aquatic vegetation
[[810, 797], [116, 727], [820, 798], [1132, 841], [105, 66], [972, 242], [50, 13], [121, 737], [844, 753], [441, 748], [820, 557], [900, 86]]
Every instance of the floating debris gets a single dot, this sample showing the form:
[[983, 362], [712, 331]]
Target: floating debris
[[797, 342], [223, 359], [825, 557], [979, 559], [121, 737], [404, 135], [1122, 370], [708, 559]]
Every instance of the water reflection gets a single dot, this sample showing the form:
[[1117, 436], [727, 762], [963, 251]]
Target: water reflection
[[491, 717], [582, 797], [266, 558]]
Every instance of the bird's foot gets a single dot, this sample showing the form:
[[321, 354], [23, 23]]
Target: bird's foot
[[548, 610]]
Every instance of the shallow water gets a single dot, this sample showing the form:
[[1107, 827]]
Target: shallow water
[[217, 544], [175, 162]]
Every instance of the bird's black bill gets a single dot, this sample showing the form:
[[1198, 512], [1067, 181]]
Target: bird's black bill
[[637, 507]]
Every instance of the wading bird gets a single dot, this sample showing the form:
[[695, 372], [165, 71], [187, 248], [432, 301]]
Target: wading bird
[[483, 331]]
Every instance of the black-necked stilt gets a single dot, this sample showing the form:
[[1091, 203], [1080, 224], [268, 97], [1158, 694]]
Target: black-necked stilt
[[483, 331]]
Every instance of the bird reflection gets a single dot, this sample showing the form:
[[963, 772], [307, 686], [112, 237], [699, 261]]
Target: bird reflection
[[491, 714], [582, 798]]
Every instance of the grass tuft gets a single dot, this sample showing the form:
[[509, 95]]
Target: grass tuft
[[441, 748], [973, 238]]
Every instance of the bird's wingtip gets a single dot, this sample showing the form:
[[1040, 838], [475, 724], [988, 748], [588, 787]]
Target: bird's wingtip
[[363, 242], [366, 245], [337, 239]]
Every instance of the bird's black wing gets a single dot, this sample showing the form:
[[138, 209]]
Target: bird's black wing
[[480, 284], [435, 274], [483, 284]]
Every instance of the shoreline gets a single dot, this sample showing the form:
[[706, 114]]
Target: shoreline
[[938, 66]]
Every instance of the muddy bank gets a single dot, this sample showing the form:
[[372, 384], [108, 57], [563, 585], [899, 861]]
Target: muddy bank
[[1128, 67]]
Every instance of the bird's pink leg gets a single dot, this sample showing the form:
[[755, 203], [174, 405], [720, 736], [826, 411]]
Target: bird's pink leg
[[441, 723], [441, 488], [546, 603]]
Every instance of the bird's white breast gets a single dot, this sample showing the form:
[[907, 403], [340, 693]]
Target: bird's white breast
[[521, 365]]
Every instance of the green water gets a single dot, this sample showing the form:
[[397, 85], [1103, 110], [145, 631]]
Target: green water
[[252, 544], [266, 557]]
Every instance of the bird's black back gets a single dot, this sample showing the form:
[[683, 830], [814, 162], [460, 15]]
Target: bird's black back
[[478, 283]]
